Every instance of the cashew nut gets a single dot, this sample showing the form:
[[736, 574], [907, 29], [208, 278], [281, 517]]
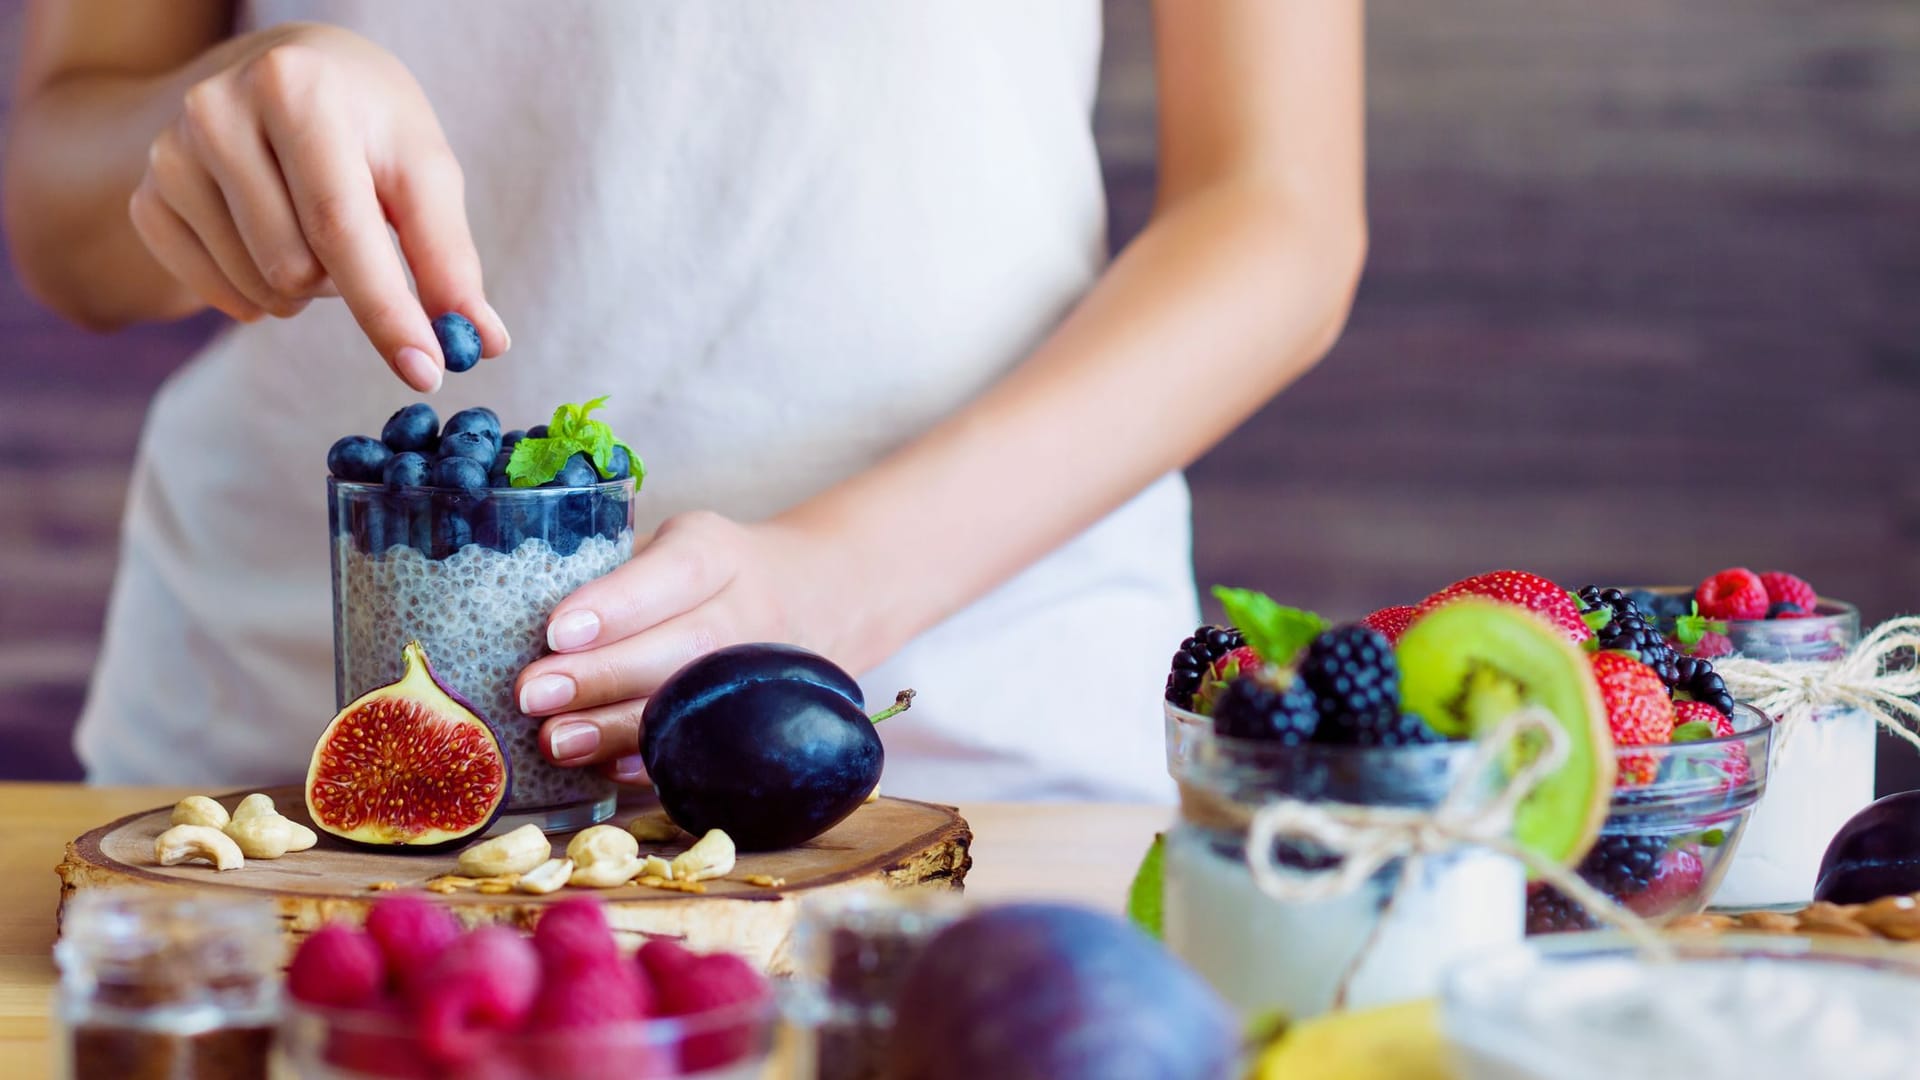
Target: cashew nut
[[263, 837], [303, 837], [255, 805], [655, 828], [603, 857], [200, 810], [546, 877], [186, 843], [515, 852], [710, 857], [655, 866]]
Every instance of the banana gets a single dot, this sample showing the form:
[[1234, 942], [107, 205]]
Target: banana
[[1395, 1042]]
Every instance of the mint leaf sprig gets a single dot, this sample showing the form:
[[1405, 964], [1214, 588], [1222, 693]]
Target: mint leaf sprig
[[573, 430], [1690, 628], [1275, 632]]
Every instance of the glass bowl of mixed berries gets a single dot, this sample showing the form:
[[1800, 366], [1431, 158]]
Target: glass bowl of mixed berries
[[412, 995]]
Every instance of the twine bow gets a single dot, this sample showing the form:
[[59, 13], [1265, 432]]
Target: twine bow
[[1878, 676], [1366, 839]]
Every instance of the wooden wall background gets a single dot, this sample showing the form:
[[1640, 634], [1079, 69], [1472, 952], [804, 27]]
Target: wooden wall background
[[1643, 301]]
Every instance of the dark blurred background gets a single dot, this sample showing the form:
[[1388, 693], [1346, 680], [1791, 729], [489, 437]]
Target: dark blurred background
[[1643, 301]]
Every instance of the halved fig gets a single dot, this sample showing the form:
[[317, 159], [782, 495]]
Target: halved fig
[[411, 765]]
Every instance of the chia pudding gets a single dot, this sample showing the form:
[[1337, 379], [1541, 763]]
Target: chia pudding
[[479, 606]]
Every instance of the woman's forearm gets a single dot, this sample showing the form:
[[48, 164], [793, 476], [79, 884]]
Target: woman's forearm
[[1224, 299]]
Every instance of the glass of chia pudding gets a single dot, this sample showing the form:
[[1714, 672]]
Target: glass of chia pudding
[[1264, 954], [472, 576], [1589, 1007]]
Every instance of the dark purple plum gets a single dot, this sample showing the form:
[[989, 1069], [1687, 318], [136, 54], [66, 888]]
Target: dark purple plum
[[1875, 854], [1054, 992], [771, 743]]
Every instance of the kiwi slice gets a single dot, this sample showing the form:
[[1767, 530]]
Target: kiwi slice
[[1467, 666]]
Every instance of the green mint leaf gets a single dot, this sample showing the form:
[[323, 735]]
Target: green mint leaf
[[633, 460], [1275, 632], [536, 461], [1145, 895], [1688, 629], [1693, 731]]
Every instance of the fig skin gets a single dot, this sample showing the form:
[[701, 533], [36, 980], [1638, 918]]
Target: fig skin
[[418, 682], [769, 743], [1875, 854]]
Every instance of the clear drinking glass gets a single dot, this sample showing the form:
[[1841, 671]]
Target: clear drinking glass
[[472, 578], [1263, 954]]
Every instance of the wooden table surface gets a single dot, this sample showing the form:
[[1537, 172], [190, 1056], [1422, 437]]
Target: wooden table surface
[[1078, 852]]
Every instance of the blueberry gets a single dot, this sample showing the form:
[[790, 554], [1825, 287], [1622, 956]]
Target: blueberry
[[619, 464], [415, 427], [460, 474], [408, 469], [358, 458], [451, 532], [497, 475], [537, 431], [477, 445], [512, 437], [577, 472], [481, 419], [459, 342]]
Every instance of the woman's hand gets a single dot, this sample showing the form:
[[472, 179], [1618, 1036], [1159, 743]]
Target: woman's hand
[[701, 582], [277, 178]]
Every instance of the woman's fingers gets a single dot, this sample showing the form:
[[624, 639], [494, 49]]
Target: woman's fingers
[[687, 562], [177, 249], [193, 195], [426, 198], [625, 670], [608, 733], [234, 151]]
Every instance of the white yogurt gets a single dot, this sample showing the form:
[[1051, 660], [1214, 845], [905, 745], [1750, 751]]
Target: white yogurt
[[1822, 774], [1704, 1018], [1262, 954]]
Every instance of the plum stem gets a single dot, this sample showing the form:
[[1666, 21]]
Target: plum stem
[[901, 703]]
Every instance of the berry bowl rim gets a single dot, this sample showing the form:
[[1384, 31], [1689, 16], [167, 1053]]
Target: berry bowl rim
[[364, 489], [1827, 610]]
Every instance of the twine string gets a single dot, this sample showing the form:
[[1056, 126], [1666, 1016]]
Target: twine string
[[1877, 676]]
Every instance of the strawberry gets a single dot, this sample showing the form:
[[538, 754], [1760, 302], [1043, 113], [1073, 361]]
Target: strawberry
[[337, 966], [1639, 713], [1732, 594], [1390, 622], [1784, 588], [1530, 591], [1675, 881]]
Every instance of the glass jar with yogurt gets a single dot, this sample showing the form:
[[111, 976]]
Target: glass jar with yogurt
[[472, 576], [1386, 941]]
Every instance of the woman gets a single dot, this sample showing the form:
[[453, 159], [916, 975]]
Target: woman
[[840, 267]]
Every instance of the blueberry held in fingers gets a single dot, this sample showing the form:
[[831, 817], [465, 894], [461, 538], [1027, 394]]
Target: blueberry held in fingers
[[459, 341], [358, 458], [415, 427], [770, 743]]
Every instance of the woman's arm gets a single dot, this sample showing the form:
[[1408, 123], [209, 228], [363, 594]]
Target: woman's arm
[[1240, 283], [155, 166]]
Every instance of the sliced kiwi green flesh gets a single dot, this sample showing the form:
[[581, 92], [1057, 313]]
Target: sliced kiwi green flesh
[[1469, 665]]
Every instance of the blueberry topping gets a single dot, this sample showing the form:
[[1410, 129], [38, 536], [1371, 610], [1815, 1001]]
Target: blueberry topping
[[459, 342], [461, 473], [511, 437], [481, 419], [537, 431], [497, 474], [415, 427], [477, 445], [619, 464], [358, 458], [577, 472], [408, 469]]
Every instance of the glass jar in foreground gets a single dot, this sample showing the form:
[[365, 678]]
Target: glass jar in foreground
[[1823, 765], [166, 984], [1738, 1007], [1265, 955], [473, 577]]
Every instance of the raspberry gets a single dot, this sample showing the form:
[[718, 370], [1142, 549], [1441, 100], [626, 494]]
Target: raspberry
[[1784, 588], [411, 933], [1711, 646], [1390, 622], [1355, 681], [1196, 655], [587, 993], [1238, 663], [1736, 767], [337, 966], [1550, 911], [574, 932], [1254, 707], [482, 984], [1530, 591], [1674, 884], [1732, 594], [384, 1047], [686, 983]]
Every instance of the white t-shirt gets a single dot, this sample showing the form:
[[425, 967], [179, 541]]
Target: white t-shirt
[[784, 238]]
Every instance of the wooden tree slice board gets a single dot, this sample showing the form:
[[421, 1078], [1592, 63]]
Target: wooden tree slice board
[[888, 843]]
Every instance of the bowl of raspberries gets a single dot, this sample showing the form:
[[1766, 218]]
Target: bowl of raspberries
[[1690, 763], [413, 995]]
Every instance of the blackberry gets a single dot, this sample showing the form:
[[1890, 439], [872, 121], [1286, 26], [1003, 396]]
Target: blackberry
[[1623, 866], [1389, 727], [1196, 655], [1632, 629], [1354, 678], [1252, 708], [1705, 684], [1550, 911]]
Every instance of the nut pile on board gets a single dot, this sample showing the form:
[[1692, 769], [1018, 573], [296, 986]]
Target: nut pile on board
[[201, 830]]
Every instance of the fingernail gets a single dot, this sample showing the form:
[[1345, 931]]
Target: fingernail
[[572, 630], [628, 770], [421, 371], [570, 741], [545, 694]]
